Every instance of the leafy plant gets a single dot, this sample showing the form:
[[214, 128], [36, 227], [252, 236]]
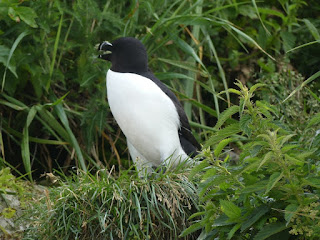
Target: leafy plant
[[271, 191]]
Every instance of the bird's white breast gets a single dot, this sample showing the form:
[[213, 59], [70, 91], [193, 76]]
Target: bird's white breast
[[145, 114]]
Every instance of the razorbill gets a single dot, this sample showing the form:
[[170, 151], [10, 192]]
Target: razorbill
[[149, 114]]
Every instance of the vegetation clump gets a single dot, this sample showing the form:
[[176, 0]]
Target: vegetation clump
[[110, 207]]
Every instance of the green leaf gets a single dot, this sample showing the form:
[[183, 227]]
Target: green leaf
[[283, 139], [265, 159], [27, 15], [314, 120], [221, 146], [225, 115], [313, 181], [233, 230], [257, 187], [12, 105], [288, 40], [198, 168], [274, 178], [25, 151], [313, 30], [13, 48], [293, 160], [244, 35], [183, 65], [244, 123], [269, 230], [254, 217], [223, 133], [303, 45], [63, 118], [55, 49], [230, 209], [191, 229], [255, 86], [188, 49], [290, 211]]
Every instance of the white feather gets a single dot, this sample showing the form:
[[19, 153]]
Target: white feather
[[147, 117]]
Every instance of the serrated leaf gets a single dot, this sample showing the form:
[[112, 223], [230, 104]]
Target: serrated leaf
[[314, 182], [255, 86], [288, 147], [294, 160], [288, 40], [254, 217], [303, 155], [270, 230], [225, 115], [191, 229], [233, 230], [198, 168], [222, 220], [290, 211], [257, 187], [273, 180], [314, 120], [223, 133], [221, 146], [230, 209], [265, 159], [231, 90], [283, 139], [211, 172], [244, 122]]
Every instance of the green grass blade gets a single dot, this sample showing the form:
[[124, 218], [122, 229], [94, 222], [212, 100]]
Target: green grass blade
[[310, 79], [303, 45], [13, 48], [257, 11], [221, 72], [54, 55], [33, 139], [25, 151], [244, 35], [63, 118]]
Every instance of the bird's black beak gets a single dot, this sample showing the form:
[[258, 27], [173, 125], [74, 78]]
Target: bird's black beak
[[106, 49]]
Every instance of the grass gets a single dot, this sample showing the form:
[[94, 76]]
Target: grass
[[104, 206]]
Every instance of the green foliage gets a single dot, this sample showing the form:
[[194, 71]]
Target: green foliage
[[109, 207], [47, 50], [8, 183], [271, 191]]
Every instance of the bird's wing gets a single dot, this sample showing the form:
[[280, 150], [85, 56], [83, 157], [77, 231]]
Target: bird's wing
[[188, 142]]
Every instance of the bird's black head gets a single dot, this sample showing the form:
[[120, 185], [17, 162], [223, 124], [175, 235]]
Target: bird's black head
[[126, 54]]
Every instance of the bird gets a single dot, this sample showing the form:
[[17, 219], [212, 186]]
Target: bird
[[149, 114]]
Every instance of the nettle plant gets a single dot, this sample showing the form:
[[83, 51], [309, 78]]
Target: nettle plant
[[271, 190]]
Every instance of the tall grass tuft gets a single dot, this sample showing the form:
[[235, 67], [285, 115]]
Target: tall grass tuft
[[108, 207]]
